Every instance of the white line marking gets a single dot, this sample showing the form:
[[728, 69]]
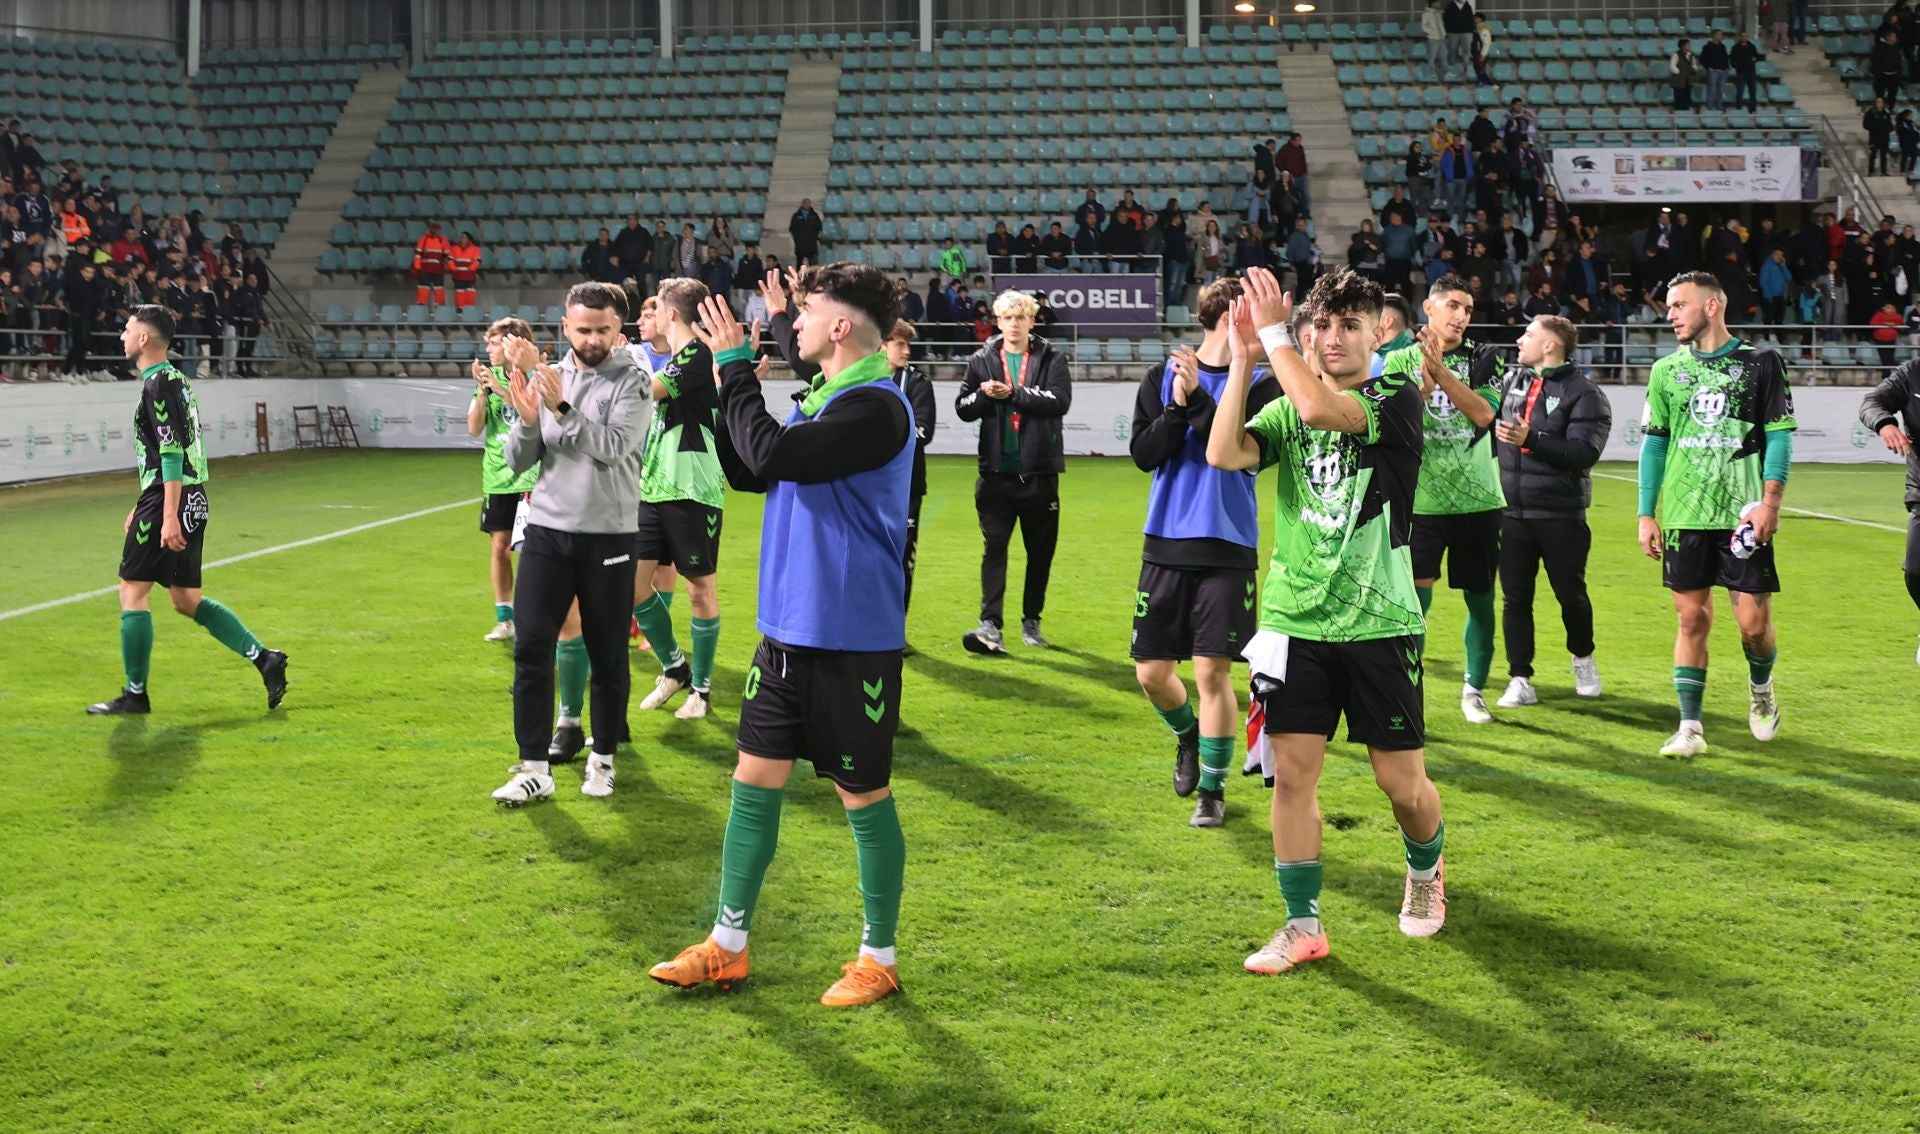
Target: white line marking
[[1783, 508], [308, 542]]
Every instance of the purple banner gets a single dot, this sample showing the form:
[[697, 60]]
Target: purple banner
[[1120, 306]]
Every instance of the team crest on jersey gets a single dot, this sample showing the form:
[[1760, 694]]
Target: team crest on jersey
[[1552, 404]]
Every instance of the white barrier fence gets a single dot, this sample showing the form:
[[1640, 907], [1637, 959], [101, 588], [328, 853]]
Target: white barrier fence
[[52, 430]]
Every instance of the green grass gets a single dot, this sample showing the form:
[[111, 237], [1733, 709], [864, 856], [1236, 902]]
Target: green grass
[[220, 919]]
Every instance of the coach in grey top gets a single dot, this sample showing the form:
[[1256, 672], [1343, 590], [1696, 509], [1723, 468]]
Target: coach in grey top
[[584, 422]]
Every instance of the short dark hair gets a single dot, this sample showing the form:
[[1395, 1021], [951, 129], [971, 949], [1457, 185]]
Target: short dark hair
[[599, 297], [862, 287], [1395, 302], [1344, 291], [157, 319], [1450, 282], [683, 294], [1216, 297], [1699, 279]]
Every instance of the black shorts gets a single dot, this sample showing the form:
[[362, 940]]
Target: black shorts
[[497, 509], [681, 532], [1697, 560], [1377, 684], [836, 709], [1912, 565], [144, 559], [1470, 543], [1179, 613]]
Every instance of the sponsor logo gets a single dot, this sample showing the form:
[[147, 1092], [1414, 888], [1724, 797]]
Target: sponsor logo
[[1860, 436], [1122, 427], [1585, 164], [376, 421], [751, 689], [439, 421], [1707, 408], [193, 511], [66, 442], [616, 560]]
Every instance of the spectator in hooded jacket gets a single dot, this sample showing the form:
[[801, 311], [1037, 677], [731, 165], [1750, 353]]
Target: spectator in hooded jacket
[[1457, 176], [1886, 66]]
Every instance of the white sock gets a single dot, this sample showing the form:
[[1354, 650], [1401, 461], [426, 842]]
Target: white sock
[[732, 940], [1468, 691], [1691, 726], [567, 722], [603, 758], [1307, 925], [1763, 687], [882, 956], [1426, 875], [539, 767]]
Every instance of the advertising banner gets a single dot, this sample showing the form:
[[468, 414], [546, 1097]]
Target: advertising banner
[[1124, 306], [52, 430], [1674, 175]]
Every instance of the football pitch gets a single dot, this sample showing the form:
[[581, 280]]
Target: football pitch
[[216, 918]]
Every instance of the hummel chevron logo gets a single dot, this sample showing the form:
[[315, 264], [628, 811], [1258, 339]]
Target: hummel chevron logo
[[146, 530], [1248, 604], [160, 413], [1413, 666], [876, 708], [731, 918], [713, 524]]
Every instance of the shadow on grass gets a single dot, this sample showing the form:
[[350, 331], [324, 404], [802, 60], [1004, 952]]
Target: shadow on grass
[[1114, 672], [997, 679], [941, 1084], [150, 762], [918, 759]]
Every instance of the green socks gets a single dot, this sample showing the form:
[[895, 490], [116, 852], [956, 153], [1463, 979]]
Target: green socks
[[1479, 636], [1426, 603], [226, 628], [136, 647], [1216, 756], [503, 612], [882, 851], [570, 672], [1760, 667], [706, 641], [1423, 859], [1300, 889], [1180, 720], [1691, 683], [656, 622], [753, 831]]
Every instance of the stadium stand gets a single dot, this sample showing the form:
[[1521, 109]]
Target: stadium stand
[[537, 150]]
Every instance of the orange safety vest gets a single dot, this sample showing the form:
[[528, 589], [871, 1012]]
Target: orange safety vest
[[430, 255], [75, 227], [463, 262]]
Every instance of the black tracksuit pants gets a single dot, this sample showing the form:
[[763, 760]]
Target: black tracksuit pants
[[912, 558], [1562, 544], [555, 568], [1033, 501]]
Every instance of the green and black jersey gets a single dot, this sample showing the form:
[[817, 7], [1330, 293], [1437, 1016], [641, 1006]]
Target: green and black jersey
[[1458, 473], [497, 478], [681, 461], [1716, 409], [167, 444], [1341, 568]]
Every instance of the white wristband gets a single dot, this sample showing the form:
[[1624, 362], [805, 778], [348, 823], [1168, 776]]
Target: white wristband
[[1279, 336]]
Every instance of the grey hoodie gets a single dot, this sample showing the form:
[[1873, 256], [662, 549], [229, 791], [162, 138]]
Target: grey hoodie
[[589, 458]]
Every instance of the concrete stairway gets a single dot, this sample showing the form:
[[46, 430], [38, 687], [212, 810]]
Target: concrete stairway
[[1335, 177], [801, 159], [297, 256], [1817, 90]]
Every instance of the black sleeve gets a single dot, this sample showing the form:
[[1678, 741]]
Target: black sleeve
[[926, 413], [785, 338], [1265, 389], [1883, 403], [1159, 428], [1052, 395], [971, 404], [860, 430]]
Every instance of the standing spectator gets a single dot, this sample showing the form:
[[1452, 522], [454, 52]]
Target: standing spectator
[[1776, 284], [1398, 241], [1585, 276], [1249, 249], [1433, 27], [429, 269], [1304, 259], [1457, 176], [1746, 73], [633, 252], [248, 315], [664, 262], [1176, 258], [10, 151], [716, 273], [1718, 64], [953, 261], [1886, 66], [720, 238], [1727, 260], [36, 209], [597, 260], [1212, 250], [1017, 387], [1398, 210], [1773, 20], [1263, 158], [1482, 50], [1256, 204], [1055, 247], [1000, 249], [1026, 250], [1086, 248], [1419, 176], [686, 252], [1457, 18], [83, 302], [1615, 312], [1292, 160], [1886, 331], [463, 264], [127, 249], [1909, 141], [804, 227], [1481, 135], [74, 226], [1364, 253], [1878, 124], [748, 271], [1683, 69], [1091, 213], [1797, 20]]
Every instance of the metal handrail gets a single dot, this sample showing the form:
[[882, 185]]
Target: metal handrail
[[1834, 155]]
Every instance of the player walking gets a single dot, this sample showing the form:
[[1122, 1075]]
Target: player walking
[[825, 681], [489, 417], [1199, 568], [1719, 444], [168, 524], [1339, 618], [1885, 407]]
